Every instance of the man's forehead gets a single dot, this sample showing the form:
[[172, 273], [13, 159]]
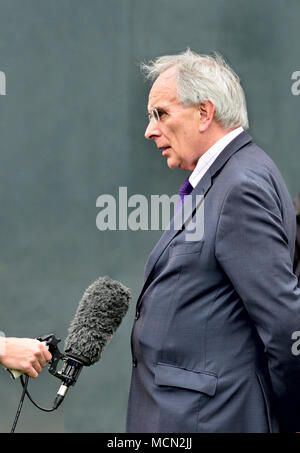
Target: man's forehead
[[163, 91]]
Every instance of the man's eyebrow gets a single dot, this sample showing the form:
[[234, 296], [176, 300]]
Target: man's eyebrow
[[159, 109]]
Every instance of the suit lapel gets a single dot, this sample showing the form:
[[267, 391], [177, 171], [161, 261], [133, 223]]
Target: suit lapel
[[197, 195]]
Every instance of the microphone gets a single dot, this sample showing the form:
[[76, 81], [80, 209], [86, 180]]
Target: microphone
[[99, 314]]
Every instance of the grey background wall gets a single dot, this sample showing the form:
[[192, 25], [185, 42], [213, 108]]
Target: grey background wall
[[71, 129]]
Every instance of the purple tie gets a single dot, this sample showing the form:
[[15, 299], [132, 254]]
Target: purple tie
[[185, 189]]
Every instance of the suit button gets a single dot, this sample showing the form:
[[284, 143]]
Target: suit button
[[134, 362]]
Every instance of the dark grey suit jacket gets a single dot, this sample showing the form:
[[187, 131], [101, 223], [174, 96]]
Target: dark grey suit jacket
[[212, 338]]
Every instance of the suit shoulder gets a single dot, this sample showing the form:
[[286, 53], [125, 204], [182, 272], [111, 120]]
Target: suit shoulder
[[254, 163]]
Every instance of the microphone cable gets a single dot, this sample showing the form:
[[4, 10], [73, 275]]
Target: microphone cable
[[26, 392], [20, 406]]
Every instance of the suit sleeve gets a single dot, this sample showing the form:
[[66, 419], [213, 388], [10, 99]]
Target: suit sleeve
[[253, 248]]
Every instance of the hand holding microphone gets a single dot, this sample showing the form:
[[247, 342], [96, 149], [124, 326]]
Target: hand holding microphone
[[23, 355]]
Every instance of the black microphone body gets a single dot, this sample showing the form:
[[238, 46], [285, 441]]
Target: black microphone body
[[99, 314], [69, 375]]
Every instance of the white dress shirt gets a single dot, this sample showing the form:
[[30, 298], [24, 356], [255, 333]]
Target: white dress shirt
[[211, 154]]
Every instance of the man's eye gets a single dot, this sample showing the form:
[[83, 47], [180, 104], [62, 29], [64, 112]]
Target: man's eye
[[157, 114], [161, 113]]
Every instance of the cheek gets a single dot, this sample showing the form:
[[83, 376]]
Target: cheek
[[175, 137]]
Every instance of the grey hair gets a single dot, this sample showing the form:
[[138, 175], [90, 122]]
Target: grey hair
[[200, 78]]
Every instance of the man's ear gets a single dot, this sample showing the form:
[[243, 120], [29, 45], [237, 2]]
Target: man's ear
[[206, 111]]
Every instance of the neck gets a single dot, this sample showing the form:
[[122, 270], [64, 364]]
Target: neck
[[214, 133]]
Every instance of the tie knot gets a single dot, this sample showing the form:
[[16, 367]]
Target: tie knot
[[185, 189]]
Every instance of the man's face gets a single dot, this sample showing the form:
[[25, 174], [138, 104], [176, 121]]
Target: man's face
[[176, 134]]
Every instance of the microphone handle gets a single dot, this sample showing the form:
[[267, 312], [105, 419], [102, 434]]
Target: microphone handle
[[14, 374]]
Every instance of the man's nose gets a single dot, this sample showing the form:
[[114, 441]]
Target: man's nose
[[152, 130]]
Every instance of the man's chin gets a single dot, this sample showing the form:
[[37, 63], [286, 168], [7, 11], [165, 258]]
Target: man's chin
[[172, 164]]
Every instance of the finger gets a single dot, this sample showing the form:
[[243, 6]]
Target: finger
[[42, 355], [31, 372], [47, 355], [37, 366]]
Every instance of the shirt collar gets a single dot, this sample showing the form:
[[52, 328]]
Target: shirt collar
[[206, 160]]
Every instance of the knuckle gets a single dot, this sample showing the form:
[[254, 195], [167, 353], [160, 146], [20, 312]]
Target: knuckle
[[27, 367]]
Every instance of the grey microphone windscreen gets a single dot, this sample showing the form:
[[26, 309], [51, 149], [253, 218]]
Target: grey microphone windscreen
[[99, 314]]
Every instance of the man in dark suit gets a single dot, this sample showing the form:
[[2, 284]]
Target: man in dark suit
[[212, 338]]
